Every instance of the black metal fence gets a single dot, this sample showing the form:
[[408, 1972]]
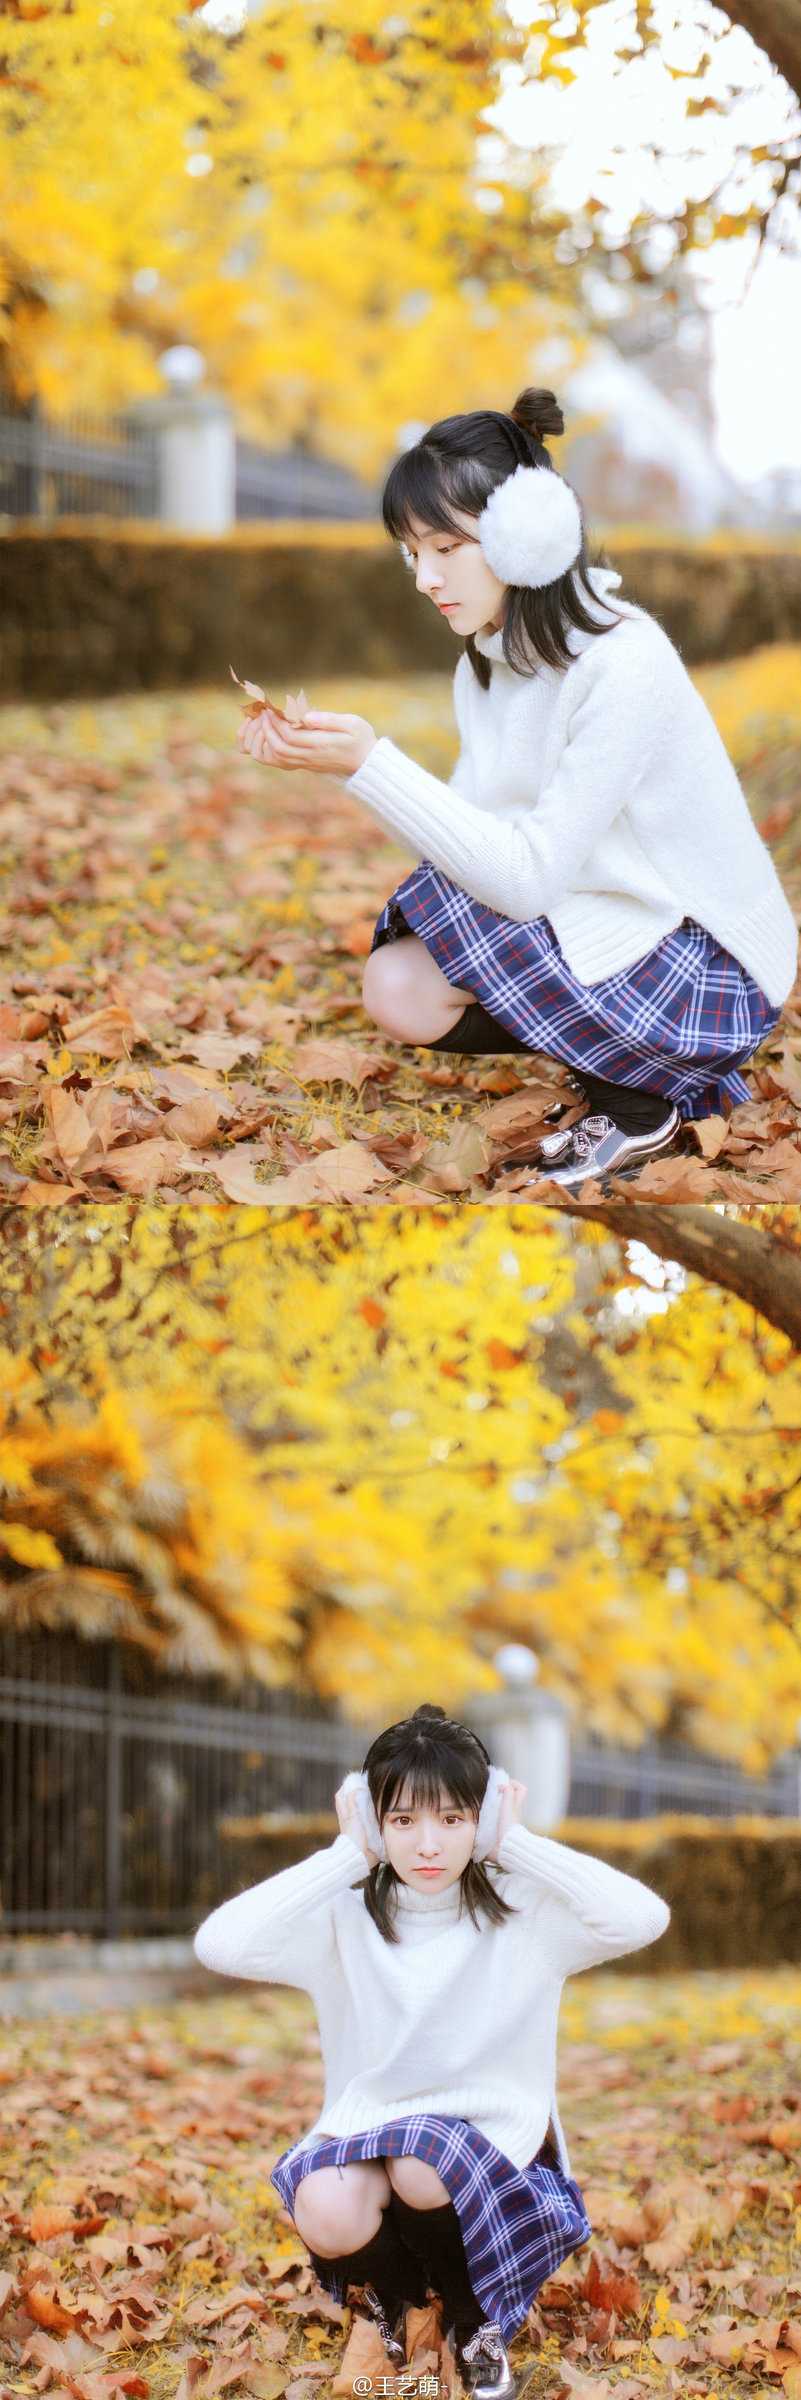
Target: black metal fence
[[108, 466], [121, 1789], [85, 466], [116, 1784]]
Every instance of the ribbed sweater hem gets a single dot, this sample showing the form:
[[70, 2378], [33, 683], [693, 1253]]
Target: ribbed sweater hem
[[517, 2138]]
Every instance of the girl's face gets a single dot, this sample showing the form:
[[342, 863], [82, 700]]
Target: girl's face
[[452, 570], [428, 1847]]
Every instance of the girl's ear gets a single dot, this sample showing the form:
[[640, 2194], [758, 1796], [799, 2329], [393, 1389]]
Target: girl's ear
[[359, 1785], [487, 1827]]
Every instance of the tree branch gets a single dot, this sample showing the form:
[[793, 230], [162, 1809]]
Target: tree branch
[[775, 26], [741, 1258]]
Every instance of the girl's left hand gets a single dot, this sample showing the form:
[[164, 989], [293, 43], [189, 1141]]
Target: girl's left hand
[[511, 1805], [325, 745]]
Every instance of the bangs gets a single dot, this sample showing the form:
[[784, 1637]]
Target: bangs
[[431, 1779], [423, 485]]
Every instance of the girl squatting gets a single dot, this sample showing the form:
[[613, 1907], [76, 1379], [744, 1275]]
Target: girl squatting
[[590, 883], [434, 1937]]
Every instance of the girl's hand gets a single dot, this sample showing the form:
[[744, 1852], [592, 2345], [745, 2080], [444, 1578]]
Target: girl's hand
[[347, 1808], [511, 1805], [325, 745]]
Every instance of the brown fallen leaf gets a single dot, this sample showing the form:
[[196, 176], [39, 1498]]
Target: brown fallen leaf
[[710, 1134], [53, 2309], [106, 1032], [142, 1166], [606, 2286], [337, 1062], [365, 2358], [79, 1143], [266, 2383], [450, 1165], [295, 712], [221, 1050], [349, 1173], [423, 2331], [235, 1169], [196, 1121]]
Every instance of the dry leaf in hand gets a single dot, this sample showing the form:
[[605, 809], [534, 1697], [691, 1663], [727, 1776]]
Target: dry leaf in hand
[[294, 714]]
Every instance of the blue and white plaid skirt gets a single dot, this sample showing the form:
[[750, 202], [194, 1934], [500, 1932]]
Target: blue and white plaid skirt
[[681, 1021], [518, 2224]]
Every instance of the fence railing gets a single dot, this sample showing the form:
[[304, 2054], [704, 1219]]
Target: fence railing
[[109, 466], [662, 1777], [87, 466], [121, 1790]]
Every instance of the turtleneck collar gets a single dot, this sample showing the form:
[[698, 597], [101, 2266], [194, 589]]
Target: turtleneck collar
[[489, 641], [411, 1903]]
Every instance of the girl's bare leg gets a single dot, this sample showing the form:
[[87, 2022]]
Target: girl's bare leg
[[417, 2183], [406, 993], [339, 2209]]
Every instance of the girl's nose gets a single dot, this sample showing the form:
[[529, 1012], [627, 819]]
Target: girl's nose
[[428, 579], [429, 1838]]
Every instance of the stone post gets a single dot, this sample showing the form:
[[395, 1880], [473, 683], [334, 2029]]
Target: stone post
[[196, 447], [526, 1731]]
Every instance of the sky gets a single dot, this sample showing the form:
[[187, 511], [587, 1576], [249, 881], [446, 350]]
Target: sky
[[605, 130]]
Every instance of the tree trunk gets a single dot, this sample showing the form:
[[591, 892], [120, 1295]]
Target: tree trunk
[[775, 26], [742, 1258]]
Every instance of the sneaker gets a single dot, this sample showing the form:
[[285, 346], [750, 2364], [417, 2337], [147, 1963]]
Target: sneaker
[[484, 2366], [388, 2318], [596, 1146]]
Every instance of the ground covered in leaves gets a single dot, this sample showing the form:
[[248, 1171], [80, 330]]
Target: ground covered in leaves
[[182, 938], [145, 2250]]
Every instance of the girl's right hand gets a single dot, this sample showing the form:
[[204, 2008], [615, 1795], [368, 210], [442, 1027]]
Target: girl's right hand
[[347, 1808]]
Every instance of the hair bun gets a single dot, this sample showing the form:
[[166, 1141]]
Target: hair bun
[[427, 1709], [538, 412]]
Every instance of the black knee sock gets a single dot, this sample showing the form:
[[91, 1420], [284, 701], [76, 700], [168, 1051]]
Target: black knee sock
[[633, 1110], [383, 2262], [477, 1035], [435, 2236]]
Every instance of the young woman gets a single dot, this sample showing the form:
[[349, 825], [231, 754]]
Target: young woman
[[434, 1936], [591, 884]]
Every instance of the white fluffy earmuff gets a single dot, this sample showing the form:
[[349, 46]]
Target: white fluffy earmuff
[[358, 1783], [497, 1782], [530, 529]]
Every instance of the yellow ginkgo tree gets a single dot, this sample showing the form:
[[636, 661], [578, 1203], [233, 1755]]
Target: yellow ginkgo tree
[[306, 202], [355, 1454]]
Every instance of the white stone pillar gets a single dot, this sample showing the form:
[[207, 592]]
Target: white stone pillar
[[196, 443], [526, 1731], [197, 464]]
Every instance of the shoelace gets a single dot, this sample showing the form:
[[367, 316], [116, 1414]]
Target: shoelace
[[577, 1138], [488, 2342]]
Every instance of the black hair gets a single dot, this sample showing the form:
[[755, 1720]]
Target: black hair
[[427, 1755], [455, 466]]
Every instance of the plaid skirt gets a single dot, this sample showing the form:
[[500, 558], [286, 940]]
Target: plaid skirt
[[518, 2224], [681, 1021]]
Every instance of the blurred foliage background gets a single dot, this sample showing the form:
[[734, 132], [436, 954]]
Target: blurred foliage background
[[355, 1453]]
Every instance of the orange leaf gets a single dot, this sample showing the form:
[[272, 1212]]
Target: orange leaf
[[500, 1355], [371, 1312], [45, 2307]]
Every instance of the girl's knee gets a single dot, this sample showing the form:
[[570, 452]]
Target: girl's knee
[[417, 2183], [388, 988], [336, 2213]]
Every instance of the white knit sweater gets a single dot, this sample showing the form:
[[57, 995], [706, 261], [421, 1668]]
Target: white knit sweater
[[454, 2020], [600, 797]]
